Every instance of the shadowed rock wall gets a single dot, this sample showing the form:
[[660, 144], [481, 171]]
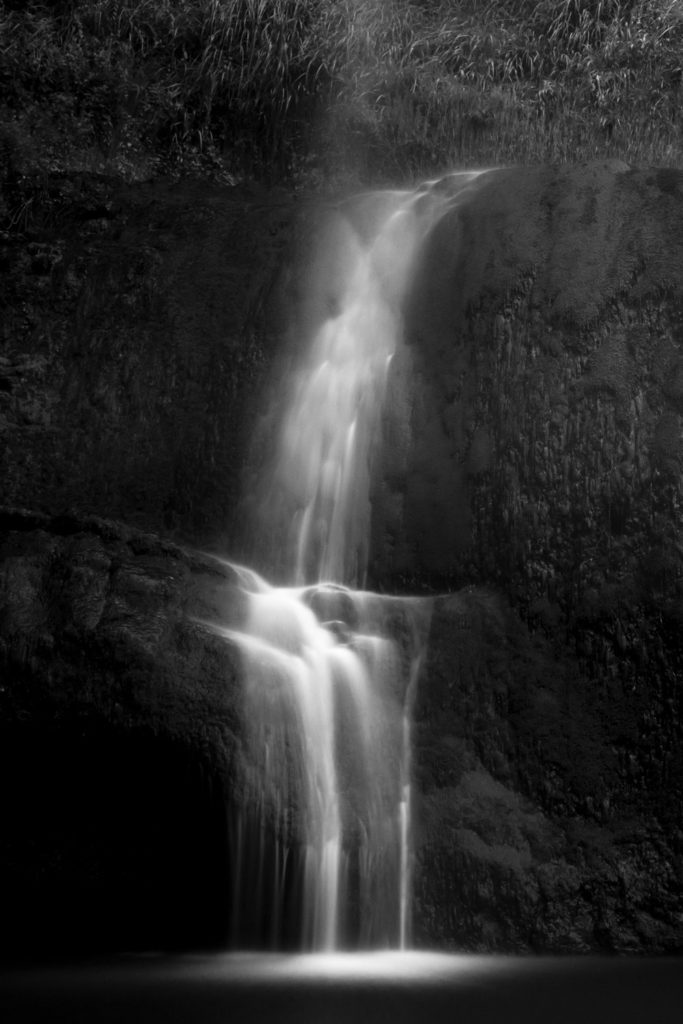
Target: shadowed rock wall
[[549, 799], [535, 421], [134, 340], [535, 448], [120, 750]]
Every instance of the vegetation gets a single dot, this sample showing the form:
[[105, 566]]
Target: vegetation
[[323, 91]]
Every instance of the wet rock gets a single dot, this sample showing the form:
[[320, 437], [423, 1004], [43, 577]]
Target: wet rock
[[544, 800], [542, 462], [538, 384]]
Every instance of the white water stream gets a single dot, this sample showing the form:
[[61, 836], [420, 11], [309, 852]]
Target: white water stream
[[322, 856]]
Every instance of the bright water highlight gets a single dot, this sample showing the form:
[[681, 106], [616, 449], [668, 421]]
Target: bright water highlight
[[391, 988], [317, 491]]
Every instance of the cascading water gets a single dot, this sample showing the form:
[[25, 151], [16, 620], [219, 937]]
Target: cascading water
[[321, 848]]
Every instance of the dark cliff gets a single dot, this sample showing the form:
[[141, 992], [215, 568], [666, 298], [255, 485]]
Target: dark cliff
[[533, 448], [134, 337], [541, 383], [119, 738]]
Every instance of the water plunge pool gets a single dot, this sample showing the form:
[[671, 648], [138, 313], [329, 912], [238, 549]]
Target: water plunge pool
[[335, 988]]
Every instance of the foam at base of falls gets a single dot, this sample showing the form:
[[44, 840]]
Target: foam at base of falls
[[321, 855]]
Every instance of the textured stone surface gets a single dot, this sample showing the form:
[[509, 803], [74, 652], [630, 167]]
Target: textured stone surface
[[549, 801], [535, 450], [538, 427], [119, 738], [130, 610], [134, 340]]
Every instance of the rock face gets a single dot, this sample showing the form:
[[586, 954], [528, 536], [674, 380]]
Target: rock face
[[549, 797], [531, 470], [537, 397], [134, 340], [543, 458], [119, 738]]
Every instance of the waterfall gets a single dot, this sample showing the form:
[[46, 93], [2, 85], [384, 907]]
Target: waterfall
[[321, 842], [320, 850], [331, 423]]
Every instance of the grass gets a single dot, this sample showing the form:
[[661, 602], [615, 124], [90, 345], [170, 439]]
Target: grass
[[321, 92]]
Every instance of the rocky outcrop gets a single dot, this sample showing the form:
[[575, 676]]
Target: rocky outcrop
[[132, 610], [119, 737]]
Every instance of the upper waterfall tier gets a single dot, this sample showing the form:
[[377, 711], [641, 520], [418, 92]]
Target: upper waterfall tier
[[317, 489]]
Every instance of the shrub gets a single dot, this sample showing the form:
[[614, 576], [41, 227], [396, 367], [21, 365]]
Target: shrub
[[371, 88]]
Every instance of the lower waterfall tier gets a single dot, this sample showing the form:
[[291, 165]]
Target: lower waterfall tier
[[321, 854], [546, 814]]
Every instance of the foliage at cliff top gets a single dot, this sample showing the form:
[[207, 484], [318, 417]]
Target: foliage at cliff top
[[332, 91]]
